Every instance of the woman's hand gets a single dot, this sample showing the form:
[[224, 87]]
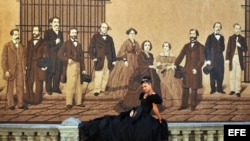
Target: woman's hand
[[131, 114], [157, 113], [160, 120]]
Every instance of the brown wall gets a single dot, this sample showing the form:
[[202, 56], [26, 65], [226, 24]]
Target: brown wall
[[170, 20], [156, 20], [9, 15]]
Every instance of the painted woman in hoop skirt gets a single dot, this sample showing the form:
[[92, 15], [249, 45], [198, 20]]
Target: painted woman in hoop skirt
[[136, 124], [145, 67], [126, 64]]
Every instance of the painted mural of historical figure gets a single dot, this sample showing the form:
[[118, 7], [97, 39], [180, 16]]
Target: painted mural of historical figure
[[214, 48], [125, 66], [145, 67], [193, 52], [171, 87], [102, 52]]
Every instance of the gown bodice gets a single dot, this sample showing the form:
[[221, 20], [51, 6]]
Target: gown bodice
[[146, 103]]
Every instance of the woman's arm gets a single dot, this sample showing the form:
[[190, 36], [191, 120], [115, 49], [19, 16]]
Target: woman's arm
[[157, 113]]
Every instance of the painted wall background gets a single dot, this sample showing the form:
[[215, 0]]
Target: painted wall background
[[158, 21], [170, 20]]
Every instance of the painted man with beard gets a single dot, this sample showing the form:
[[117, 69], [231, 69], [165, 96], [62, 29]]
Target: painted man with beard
[[72, 55], [13, 64], [194, 54], [214, 48], [36, 50], [54, 39]]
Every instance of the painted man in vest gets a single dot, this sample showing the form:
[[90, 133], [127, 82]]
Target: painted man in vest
[[102, 51], [13, 64], [54, 39], [236, 46], [214, 48], [72, 55]]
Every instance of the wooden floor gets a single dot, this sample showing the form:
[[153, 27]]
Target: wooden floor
[[211, 108]]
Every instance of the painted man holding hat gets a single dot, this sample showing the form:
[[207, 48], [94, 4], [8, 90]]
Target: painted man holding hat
[[36, 62], [192, 79], [214, 48]]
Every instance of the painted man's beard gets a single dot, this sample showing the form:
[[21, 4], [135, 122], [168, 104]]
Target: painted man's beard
[[192, 39], [73, 37], [36, 36]]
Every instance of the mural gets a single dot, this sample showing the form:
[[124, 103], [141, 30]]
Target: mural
[[196, 62]]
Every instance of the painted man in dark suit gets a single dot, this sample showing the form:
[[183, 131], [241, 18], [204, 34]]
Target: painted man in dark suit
[[236, 46], [214, 48], [72, 55], [13, 64], [194, 54], [54, 39], [36, 50], [102, 51]]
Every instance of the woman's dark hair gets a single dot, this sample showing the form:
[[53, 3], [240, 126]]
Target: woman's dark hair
[[142, 45], [130, 29], [146, 79], [169, 45]]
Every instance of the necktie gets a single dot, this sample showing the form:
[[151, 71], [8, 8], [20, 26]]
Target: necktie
[[192, 44], [217, 36], [104, 36]]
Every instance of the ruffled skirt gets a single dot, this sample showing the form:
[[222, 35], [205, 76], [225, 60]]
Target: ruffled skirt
[[142, 127]]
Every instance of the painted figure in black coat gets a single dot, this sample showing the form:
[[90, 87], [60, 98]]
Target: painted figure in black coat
[[54, 39], [214, 48], [236, 47], [102, 52]]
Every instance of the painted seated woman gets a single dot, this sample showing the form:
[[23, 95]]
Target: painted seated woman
[[171, 87]]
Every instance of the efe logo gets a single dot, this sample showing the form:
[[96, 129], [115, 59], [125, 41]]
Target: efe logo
[[237, 132]]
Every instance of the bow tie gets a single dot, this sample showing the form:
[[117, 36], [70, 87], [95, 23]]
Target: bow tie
[[217, 34]]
